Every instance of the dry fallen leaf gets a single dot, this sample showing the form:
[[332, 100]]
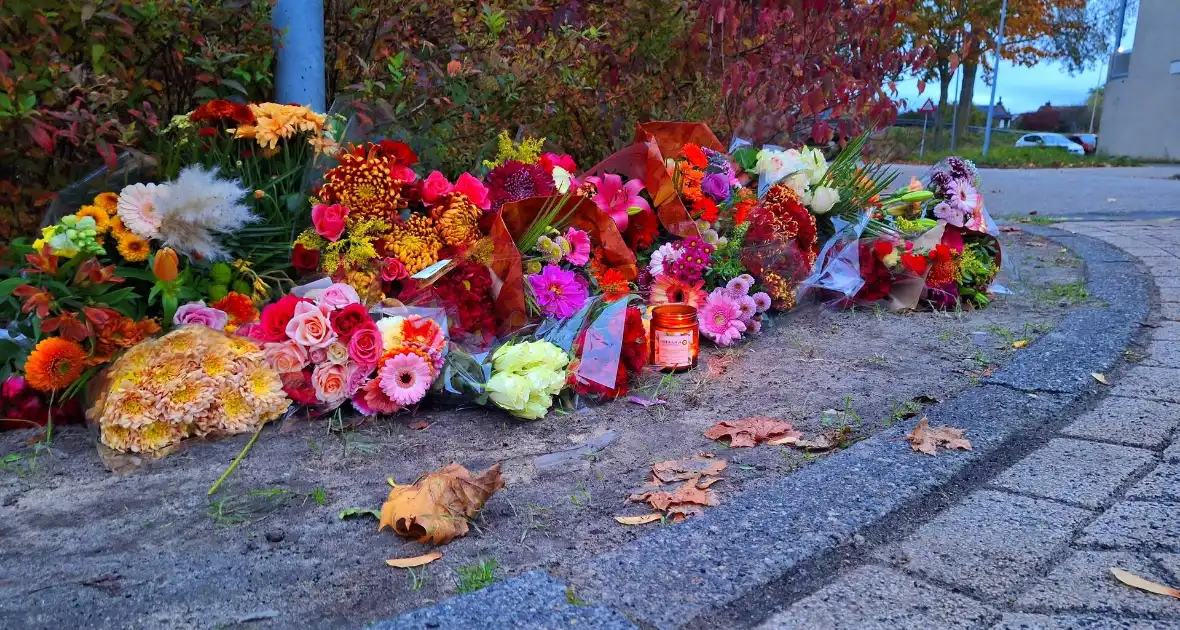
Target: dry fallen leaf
[[642, 519], [1132, 580], [786, 440], [750, 431], [1020, 343], [686, 493], [1100, 377], [927, 439], [708, 482], [682, 469], [416, 561], [421, 424], [436, 508], [820, 443]]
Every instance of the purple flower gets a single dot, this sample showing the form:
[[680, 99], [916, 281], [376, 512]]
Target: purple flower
[[198, 313], [558, 292], [717, 187]]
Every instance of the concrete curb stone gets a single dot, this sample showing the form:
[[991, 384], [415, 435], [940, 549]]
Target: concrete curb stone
[[679, 575]]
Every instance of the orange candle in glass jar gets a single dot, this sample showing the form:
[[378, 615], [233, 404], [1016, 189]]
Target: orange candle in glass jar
[[675, 339]]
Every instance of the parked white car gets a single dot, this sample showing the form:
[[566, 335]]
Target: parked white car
[[1050, 140]]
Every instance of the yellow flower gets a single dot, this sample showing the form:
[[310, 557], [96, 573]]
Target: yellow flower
[[133, 248], [415, 242], [102, 218], [458, 220], [108, 201]]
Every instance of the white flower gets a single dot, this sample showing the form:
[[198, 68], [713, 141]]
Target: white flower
[[137, 209], [798, 183], [197, 207], [666, 254], [815, 164], [562, 179], [774, 165], [821, 200]]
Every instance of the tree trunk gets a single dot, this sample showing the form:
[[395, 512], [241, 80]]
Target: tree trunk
[[966, 94], [944, 86]]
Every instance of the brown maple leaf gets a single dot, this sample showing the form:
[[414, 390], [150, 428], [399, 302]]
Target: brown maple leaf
[[750, 431], [927, 439], [686, 494], [682, 469], [436, 508]]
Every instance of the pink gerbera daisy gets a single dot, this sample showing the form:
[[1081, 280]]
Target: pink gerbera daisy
[[668, 289], [370, 400], [579, 247], [405, 378], [721, 319]]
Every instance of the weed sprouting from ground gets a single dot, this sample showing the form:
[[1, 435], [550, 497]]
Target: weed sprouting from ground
[[476, 576], [572, 598], [1072, 292], [582, 496], [236, 509], [417, 578]]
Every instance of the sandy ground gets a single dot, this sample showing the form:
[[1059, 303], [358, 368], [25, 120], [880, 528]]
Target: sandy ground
[[83, 547]]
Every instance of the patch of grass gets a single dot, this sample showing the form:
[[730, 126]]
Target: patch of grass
[[1039, 220], [1002, 332], [417, 578], [582, 496], [319, 496], [1073, 292], [356, 443], [572, 598], [904, 143], [903, 411], [946, 335], [476, 576], [16, 463], [236, 509]]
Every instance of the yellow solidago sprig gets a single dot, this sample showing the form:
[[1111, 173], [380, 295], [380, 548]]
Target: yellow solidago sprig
[[527, 151], [355, 249]]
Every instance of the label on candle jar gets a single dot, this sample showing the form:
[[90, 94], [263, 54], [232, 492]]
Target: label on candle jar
[[673, 349]]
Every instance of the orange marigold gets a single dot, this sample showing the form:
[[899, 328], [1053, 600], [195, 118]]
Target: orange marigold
[[240, 308], [55, 364], [363, 184], [108, 201]]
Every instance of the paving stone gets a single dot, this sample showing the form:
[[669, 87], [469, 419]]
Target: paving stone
[[1169, 294], [878, 598], [1166, 331], [1163, 354], [1173, 453], [1167, 281], [1170, 310], [988, 543], [1024, 621], [1083, 583], [1135, 525], [1134, 421], [1163, 266], [1170, 562], [1075, 471], [1156, 383], [1163, 484]]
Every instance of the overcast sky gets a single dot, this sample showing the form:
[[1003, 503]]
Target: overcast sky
[[1022, 89]]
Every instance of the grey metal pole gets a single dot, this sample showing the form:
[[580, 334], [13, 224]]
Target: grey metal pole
[[1118, 29], [991, 106], [955, 109], [299, 39]]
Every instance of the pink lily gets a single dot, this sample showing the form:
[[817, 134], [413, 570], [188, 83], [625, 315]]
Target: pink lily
[[617, 199]]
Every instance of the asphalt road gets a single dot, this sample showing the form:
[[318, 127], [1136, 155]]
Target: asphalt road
[[1092, 194]]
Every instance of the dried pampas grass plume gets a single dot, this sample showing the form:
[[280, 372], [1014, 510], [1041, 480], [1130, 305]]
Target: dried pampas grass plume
[[196, 207]]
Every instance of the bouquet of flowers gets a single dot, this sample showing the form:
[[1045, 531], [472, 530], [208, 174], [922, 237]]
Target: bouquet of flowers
[[611, 350], [413, 351], [192, 382], [525, 376]]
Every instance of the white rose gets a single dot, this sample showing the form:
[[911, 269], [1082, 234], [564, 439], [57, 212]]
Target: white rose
[[774, 165], [798, 183], [822, 199], [815, 164]]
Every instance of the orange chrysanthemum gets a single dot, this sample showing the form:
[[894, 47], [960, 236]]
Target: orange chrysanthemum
[[363, 184], [55, 364], [458, 219], [240, 308], [415, 242], [132, 248]]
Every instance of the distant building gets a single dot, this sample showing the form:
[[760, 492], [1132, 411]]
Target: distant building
[[1142, 99], [1001, 119]]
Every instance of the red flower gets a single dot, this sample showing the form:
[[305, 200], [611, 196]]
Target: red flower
[[613, 285], [305, 260], [44, 262], [564, 160], [276, 316], [399, 152], [207, 132], [67, 325], [393, 269], [695, 156], [882, 248], [217, 111], [915, 263], [708, 209], [642, 231], [741, 211], [91, 272], [877, 277], [35, 300], [348, 319], [297, 386]]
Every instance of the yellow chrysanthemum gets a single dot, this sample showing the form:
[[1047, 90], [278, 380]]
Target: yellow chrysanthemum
[[133, 248], [129, 407], [415, 242], [243, 347], [102, 218], [458, 220], [108, 201], [217, 366]]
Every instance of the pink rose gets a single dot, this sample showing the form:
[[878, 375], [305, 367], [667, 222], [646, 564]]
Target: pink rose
[[198, 313], [318, 356], [365, 346], [310, 327], [338, 296], [474, 190], [360, 376], [403, 173], [253, 330], [329, 221], [330, 381], [393, 269], [435, 186], [285, 356]]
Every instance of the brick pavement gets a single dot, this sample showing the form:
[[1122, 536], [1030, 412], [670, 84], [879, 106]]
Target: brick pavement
[[1032, 549]]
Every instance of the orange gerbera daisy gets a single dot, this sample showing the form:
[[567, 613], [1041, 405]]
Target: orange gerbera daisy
[[668, 289], [614, 285], [55, 364], [102, 218], [132, 248], [239, 308], [108, 201]]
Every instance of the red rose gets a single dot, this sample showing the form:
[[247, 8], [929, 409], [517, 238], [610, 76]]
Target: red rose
[[305, 260], [393, 269], [275, 317], [399, 152], [347, 320], [882, 248], [297, 386], [329, 220]]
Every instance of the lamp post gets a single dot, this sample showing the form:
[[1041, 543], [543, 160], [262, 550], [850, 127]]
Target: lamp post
[[299, 40], [991, 106]]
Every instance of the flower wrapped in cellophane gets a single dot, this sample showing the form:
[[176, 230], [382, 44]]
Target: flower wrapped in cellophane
[[610, 351], [192, 382]]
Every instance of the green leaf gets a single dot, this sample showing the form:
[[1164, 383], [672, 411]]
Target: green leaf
[[204, 94], [355, 511], [135, 274], [97, 52], [8, 350], [125, 294], [10, 285]]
